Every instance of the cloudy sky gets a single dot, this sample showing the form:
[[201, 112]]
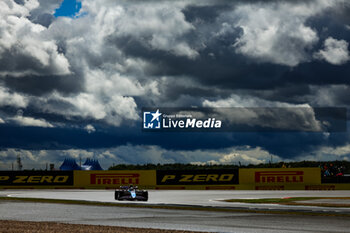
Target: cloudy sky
[[73, 80]]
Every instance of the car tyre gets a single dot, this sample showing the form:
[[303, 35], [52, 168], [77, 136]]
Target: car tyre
[[116, 195]]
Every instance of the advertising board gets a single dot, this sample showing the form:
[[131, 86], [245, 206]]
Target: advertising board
[[197, 177], [36, 178]]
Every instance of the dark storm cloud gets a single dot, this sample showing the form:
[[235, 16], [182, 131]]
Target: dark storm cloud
[[286, 145], [228, 72], [41, 85], [220, 66], [318, 73], [225, 70], [17, 62], [291, 93], [205, 14], [100, 69]]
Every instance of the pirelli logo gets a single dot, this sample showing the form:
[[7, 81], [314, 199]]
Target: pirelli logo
[[37, 178], [279, 177], [114, 178], [197, 177]]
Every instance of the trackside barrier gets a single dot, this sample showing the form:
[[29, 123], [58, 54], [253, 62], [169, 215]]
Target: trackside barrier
[[280, 178], [36, 179], [114, 179], [198, 177], [254, 187], [223, 179]]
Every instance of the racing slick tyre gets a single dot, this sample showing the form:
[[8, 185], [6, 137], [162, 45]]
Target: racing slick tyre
[[116, 195], [144, 194]]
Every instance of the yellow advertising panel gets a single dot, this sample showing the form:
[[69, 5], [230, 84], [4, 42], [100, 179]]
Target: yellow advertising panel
[[114, 179], [279, 178], [244, 179]]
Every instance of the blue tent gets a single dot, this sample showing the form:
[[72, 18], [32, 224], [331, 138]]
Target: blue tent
[[69, 164], [91, 164]]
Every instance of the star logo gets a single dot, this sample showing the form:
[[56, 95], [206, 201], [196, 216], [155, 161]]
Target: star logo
[[156, 115], [151, 120]]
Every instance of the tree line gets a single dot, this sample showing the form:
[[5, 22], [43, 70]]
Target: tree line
[[182, 166]]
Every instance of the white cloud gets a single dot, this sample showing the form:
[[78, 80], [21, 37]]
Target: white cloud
[[90, 128], [140, 155], [23, 40], [249, 156], [8, 98], [277, 32], [328, 95], [9, 158], [244, 155], [110, 80], [76, 154], [335, 51], [106, 157], [252, 111], [111, 109], [88, 105], [159, 25], [2, 121], [154, 154], [338, 151], [30, 121], [327, 153]]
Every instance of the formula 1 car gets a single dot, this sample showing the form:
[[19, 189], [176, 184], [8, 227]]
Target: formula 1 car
[[130, 193]]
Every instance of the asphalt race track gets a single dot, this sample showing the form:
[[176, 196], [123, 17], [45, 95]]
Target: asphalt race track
[[171, 219], [189, 197], [178, 219]]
